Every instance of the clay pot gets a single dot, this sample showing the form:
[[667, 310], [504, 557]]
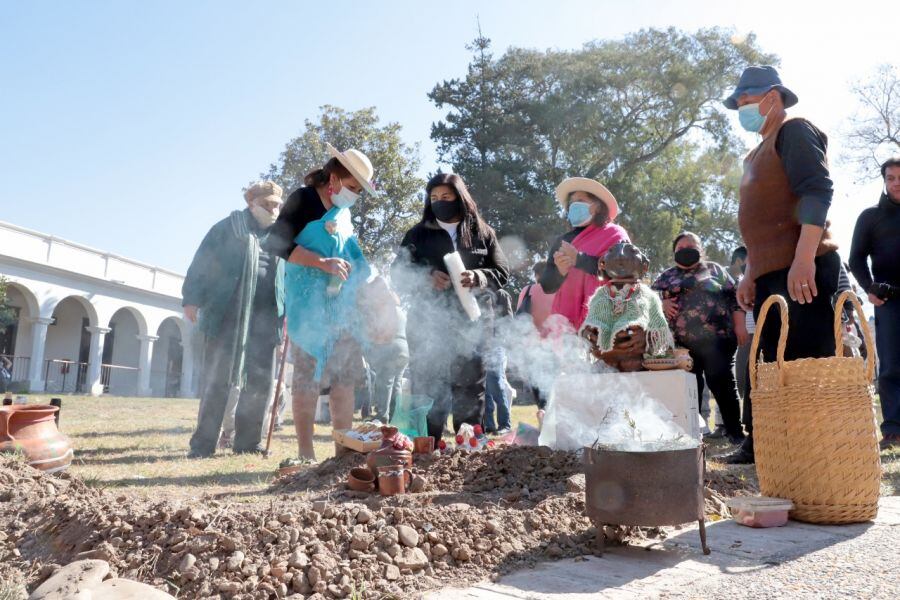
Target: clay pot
[[32, 429], [361, 479], [387, 455], [423, 445], [393, 480]]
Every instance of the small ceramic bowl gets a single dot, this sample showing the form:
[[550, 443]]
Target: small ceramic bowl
[[361, 479]]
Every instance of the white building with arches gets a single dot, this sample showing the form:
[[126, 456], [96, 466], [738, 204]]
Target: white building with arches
[[87, 321]]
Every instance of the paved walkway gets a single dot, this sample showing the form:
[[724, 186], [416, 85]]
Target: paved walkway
[[798, 560]]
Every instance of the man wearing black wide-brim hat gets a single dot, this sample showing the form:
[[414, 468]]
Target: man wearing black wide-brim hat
[[785, 195]]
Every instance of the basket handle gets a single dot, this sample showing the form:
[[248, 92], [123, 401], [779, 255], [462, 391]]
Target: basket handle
[[782, 338], [863, 325]]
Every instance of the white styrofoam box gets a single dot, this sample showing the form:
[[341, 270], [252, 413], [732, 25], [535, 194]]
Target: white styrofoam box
[[676, 390]]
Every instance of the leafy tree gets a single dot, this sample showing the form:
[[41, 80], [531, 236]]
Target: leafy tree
[[380, 221], [642, 114], [7, 314], [873, 133]]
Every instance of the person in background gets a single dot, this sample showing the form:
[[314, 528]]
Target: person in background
[[326, 269], [534, 301], [571, 273], [445, 346], [386, 350], [741, 368], [235, 289], [5, 373], [876, 237], [699, 302], [785, 194], [497, 391], [853, 343]]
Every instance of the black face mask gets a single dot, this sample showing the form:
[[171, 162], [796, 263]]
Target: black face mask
[[446, 210], [687, 257]]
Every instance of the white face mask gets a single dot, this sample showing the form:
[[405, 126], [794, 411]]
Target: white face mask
[[344, 198], [262, 216]]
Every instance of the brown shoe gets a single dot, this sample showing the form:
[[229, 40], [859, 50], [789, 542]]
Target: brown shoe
[[889, 442]]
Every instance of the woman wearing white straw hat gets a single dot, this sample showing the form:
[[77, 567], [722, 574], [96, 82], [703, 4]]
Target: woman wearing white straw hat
[[571, 270], [325, 270]]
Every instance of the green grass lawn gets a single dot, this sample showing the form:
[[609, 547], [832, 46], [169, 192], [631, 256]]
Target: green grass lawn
[[140, 445]]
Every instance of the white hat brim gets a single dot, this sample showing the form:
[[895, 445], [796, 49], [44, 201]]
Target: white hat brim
[[583, 184], [347, 165]]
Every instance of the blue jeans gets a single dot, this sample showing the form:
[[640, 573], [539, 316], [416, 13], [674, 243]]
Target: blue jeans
[[887, 341], [496, 391]]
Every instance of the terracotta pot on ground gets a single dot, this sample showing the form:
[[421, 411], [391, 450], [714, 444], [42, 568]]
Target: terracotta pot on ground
[[423, 445], [393, 480], [361, 479], [32, 429], [388, 455]]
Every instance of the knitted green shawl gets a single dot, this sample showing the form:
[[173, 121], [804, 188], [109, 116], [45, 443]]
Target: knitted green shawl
[[610, 315]]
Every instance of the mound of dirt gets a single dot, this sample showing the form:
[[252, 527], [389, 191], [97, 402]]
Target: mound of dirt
[[480, 514]]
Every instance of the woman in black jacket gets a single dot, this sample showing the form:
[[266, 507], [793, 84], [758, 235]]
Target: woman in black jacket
[[444, 345]]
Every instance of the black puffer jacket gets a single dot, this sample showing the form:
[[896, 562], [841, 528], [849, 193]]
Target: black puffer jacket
[[422, 251]]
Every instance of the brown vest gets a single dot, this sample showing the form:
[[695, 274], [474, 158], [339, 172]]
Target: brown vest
[[767, 214]]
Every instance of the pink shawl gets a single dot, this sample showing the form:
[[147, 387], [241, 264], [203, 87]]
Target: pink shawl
[[578, 287]]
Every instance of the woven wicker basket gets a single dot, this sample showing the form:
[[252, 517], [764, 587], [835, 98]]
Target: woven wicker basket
[[814, 427]]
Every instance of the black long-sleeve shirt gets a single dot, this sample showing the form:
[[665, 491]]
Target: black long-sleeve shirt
[[302, 207], [877, 236], [802, 148], [551, 278]]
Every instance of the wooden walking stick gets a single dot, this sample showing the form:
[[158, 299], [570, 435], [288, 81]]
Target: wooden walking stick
[[277, 400]]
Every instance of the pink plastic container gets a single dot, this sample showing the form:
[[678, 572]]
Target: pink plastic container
[[760, 511]]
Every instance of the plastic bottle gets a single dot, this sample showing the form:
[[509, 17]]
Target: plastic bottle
[[334, 283]]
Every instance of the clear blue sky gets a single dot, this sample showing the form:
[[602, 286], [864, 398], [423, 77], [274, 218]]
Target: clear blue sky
[[132, 126]]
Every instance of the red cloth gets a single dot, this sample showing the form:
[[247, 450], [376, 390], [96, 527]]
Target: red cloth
[[573, 295]]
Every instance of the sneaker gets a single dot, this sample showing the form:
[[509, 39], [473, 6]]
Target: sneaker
[[889, 442], [742, 456], [225, 440], [502, 432], [718, 432]]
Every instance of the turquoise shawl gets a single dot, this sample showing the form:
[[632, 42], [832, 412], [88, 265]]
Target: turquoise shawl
[[316, 320]]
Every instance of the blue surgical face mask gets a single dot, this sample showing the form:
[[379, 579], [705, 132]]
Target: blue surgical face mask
[[579, 213], [750, 118], [344, 198]]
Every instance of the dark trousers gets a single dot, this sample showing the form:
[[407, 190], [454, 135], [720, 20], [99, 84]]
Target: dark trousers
[[251, 406], [887, 341], [811, 326], [387, 363], [714, 360], [453, 381]]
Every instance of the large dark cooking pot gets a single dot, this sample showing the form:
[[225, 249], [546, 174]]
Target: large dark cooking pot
[[647, 489]]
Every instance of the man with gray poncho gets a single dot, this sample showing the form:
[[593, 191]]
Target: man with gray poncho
[[235, 289]]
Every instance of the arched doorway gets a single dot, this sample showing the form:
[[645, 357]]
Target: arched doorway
[[168, 354], [68, 345], [15, 337], [122, 353]]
